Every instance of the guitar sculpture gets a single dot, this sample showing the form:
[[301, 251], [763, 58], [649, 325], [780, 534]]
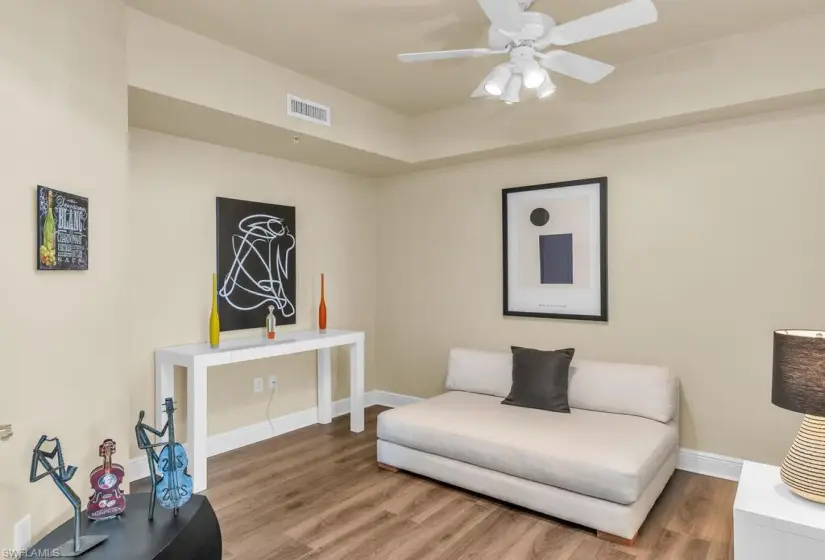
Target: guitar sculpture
[[108, 500], [171, 484], [61, 475]]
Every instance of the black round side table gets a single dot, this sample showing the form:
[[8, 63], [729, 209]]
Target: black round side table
[[193, 535]]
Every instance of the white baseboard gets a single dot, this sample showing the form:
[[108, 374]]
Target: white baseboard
[[393, 400], [254, 433], [700, 462], [710, 464], [247, 435], [137, 468]]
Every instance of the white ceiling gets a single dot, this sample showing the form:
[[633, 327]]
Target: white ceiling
[[351, 44]]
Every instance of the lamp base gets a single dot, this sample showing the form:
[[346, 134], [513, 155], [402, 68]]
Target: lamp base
[[803, 469]]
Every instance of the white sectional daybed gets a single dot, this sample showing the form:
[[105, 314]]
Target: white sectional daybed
[[603, 465]]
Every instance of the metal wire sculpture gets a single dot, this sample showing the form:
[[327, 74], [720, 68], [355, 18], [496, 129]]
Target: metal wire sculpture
[[174, 487], [61, 475]]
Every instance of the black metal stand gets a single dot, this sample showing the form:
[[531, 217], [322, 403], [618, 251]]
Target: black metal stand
[[193, 534]]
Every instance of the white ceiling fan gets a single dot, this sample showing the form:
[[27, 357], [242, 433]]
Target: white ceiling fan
[[523, 35]]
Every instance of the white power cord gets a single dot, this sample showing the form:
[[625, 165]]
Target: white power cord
[[272, 392]]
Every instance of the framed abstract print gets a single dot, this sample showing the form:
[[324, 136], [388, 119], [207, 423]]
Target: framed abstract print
[[555, 250]]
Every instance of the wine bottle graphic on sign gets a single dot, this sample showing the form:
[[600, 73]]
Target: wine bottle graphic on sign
[[47, 249]]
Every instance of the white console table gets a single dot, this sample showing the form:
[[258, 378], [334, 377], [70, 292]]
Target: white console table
[[196, 358], [772, 523]]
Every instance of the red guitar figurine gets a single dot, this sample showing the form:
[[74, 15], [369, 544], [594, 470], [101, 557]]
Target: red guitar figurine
[[108, 500]]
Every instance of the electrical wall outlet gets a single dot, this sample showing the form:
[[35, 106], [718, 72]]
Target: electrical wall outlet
[[258, 385], [23, 533], [273, 382]]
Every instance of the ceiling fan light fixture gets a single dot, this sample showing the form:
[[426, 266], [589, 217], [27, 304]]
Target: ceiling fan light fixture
[[511, 92], [534, 75], [497, 80], [547, 88], [493, 90], [524, 35]]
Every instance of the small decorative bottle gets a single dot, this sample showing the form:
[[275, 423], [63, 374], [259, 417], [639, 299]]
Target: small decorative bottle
[[322, 310], [214, 320], [270, 323]]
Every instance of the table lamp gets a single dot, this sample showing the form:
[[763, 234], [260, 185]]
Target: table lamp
[[799, 385]]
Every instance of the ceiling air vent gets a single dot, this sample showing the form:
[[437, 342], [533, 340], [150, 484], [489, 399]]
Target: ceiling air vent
[[308, 110]]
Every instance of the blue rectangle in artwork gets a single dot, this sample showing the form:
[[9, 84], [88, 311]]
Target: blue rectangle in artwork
[[556, 258]]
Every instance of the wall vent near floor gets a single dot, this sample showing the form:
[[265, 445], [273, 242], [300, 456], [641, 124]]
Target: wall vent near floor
[[308, 110]]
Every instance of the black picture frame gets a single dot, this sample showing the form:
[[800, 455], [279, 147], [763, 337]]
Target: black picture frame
[[602, 316]]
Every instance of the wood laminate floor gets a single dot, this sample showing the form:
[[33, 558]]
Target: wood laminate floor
[[317, 494]]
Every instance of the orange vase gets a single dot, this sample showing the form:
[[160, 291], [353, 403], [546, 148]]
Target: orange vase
[[322, 310]]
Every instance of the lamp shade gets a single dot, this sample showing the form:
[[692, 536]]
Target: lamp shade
[[799, 371]]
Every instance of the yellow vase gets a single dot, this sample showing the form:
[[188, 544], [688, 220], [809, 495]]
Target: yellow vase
[[214, 320]]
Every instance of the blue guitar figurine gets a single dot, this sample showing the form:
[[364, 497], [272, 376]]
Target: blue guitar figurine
[[171, 484]]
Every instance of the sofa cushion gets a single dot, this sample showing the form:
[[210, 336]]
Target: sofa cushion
[[540, 379], [476, 371], [609, 456], [641, 390]]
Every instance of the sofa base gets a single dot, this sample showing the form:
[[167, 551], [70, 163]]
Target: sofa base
[[606, 517], [387, 467], [618, 540]]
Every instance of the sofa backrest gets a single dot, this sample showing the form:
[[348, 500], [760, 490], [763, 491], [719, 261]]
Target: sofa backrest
[[639, 390]]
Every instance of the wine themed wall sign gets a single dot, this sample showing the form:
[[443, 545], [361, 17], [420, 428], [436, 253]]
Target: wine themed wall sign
[[62, 230]]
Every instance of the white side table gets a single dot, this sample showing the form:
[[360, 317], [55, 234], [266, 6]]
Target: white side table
[[197, 358], [771, 523]]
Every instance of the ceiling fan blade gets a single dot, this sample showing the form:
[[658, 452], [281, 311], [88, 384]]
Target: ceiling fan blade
[[613, 20], [441, 55], [575, 66], [503, 14]]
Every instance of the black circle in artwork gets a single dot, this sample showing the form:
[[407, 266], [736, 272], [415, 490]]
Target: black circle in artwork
[[539, 217]]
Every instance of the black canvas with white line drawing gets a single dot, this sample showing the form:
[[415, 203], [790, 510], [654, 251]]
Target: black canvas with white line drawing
[[256, 254]]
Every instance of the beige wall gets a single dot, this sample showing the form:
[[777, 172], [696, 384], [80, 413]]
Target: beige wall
[[226, 79], [715, 240], [63, 335], [173, 185]]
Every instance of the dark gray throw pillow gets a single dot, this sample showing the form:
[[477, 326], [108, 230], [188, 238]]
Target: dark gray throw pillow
[[540, 379]]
